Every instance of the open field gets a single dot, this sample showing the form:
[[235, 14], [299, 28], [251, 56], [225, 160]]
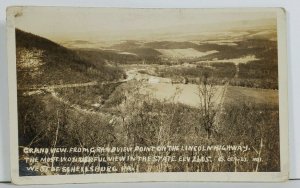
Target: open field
[[184, 53], [187, 94], [238, 95]]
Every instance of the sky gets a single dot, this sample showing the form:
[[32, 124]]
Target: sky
[[107, 24]]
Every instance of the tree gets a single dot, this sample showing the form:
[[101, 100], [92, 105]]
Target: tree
[[206, 92]]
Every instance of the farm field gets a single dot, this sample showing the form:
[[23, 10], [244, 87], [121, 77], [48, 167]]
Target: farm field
[[237, 95], [184, 53]]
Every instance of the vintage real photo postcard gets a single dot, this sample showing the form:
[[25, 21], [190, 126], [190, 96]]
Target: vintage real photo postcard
[[131, 95]]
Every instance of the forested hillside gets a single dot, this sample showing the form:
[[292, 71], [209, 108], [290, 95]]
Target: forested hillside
[[43, 62]]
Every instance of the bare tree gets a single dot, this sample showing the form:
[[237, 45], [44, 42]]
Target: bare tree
[[206, 92]]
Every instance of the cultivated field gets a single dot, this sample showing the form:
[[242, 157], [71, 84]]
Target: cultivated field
[[184, 53]]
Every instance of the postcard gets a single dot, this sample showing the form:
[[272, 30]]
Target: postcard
[[133, 95]]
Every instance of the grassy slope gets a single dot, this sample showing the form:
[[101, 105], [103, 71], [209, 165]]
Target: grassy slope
[[237, 95]]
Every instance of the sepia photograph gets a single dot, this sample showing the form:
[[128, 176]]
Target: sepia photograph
[[118, 93]]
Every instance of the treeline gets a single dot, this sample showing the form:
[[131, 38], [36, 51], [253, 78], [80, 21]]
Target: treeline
[[261, 48], [219, 72], [262, 73], [138, 56]]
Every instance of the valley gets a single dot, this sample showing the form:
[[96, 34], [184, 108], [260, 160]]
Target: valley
[[150, 93]]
